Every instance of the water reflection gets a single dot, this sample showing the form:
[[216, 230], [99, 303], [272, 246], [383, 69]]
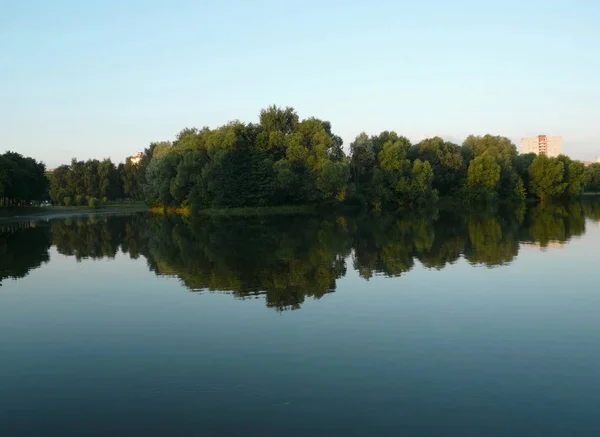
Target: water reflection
[[288, 259], [23, 247]]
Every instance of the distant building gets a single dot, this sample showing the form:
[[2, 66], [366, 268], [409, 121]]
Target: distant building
[[542, 145], [597, 159], [135, 159]]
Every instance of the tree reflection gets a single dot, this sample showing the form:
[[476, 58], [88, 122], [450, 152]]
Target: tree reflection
[[492, 241], [286, 259], [289, 259], [23, 247], [546, 224], [88, 237], [592, 210]]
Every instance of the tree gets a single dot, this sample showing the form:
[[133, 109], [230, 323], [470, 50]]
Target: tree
[[59, 185], [362, 158], [483, 177], [391, 180], [22, 179], [131, 175], [81, 180], [446, 161], [189, 177], [592, 177], [503, 151], [522, 164], [421, 191], [546, 176], [110, 185], [160, 172], [520, 192], [4, 176], [573, 176]]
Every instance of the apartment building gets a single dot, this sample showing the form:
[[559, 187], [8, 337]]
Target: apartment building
[[542, 145]]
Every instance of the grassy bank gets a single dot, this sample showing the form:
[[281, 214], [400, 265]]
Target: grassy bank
[[185, 212], [248, 211]]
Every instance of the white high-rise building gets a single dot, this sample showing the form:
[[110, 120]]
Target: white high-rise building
[[542, 145]]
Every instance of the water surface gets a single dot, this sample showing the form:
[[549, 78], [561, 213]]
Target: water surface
[[446, 325]]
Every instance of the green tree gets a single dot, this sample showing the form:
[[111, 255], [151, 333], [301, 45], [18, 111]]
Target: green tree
[[159, 174], [22, 179], [446, 161], [520, 191], [592, 177], [522, 164], [574, 177], [421, 191], [483, 177], [547, 177], [362, 158], [503, 151]]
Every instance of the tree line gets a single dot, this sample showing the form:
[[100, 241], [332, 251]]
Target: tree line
[[283, 160], [93, 182], [22, 180]]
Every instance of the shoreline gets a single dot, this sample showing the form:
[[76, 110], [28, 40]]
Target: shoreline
[[61, 212], [18, 214]]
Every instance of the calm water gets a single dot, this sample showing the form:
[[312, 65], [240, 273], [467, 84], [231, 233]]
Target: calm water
[[473, 325]]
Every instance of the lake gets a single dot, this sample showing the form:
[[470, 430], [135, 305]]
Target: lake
[[479, 324]]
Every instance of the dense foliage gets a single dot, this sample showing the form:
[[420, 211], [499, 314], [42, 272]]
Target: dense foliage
[[283, 160], [592, 177], [93, 181], [22, 180]]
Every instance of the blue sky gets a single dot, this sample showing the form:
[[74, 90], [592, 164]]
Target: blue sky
[[105, 78]]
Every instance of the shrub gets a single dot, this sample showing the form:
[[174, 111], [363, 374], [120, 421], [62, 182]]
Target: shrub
[[93, 202], [79, 199], [67, 201]]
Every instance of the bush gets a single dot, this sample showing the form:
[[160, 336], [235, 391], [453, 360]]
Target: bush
[[79, 200], [93, 203], [67, 201], [104, 201]]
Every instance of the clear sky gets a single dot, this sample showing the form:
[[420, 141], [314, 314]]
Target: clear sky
[[101, 79]]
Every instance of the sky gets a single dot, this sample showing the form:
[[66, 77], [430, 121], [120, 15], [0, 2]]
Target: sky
[[96, 79]]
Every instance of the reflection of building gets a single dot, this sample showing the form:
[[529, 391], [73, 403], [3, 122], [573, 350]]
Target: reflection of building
[[135, 159], [552, 244], [598, 223], [542, 145]]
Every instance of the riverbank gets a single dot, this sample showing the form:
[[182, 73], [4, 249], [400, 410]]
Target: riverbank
[[63, 212], [247, 211]]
